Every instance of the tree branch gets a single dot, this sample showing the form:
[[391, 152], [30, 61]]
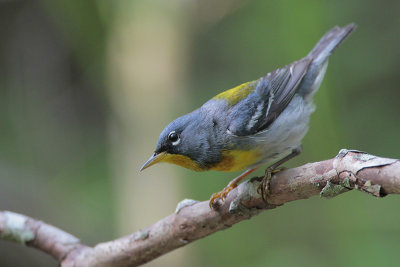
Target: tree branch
[[27, 231], [193, 220]]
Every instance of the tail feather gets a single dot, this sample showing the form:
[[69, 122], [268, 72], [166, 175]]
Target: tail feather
[[319, 56], [330, 41]]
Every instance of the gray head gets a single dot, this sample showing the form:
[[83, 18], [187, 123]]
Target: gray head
[[183, 142]]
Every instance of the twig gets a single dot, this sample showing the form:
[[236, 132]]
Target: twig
[[47, 238], [193, 220]]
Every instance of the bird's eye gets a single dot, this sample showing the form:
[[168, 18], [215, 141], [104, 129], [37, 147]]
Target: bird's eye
[[174, 138]]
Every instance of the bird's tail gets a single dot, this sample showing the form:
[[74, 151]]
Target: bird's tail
[[319, 55], [328, 43]]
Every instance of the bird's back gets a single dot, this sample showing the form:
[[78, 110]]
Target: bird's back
[[267, 118]]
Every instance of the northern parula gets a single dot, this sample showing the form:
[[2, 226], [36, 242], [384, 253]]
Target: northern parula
[[255, 123]]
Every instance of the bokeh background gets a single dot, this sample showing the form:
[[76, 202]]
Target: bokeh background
[[87, 86]]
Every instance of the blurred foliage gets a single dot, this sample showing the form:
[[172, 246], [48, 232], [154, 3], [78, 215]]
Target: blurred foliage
[[55, 112]]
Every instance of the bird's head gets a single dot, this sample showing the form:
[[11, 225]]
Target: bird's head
[[179, 143]]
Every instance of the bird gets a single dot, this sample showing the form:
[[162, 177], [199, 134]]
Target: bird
[[250, 125]]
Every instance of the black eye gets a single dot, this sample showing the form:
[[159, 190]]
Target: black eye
[[173, 137]]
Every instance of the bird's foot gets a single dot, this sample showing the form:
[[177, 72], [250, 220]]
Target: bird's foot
[[214, 201], [216, 197], [264, 187]]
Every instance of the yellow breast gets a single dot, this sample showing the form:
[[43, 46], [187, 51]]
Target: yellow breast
[[236, 160], [233, 160]]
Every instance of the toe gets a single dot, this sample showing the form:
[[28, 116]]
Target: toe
[[219, 196]]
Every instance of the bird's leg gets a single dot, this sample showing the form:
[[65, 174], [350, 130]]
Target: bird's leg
[[232, 184], [264, 186]]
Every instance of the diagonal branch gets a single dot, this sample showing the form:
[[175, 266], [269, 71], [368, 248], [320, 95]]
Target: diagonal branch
[[47, 238], [193, 220]]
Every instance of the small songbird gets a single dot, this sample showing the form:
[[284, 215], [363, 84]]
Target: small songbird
[[255, 123]]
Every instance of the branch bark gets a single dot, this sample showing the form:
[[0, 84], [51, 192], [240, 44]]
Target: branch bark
[[193, 220]]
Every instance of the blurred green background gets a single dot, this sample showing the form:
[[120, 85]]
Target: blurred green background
[[87, 86]]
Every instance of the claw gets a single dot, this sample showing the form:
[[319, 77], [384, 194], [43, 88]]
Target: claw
[[220, 196], [264, 187]]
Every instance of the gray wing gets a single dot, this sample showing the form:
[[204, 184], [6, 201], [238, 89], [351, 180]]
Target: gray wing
[[271, 96]]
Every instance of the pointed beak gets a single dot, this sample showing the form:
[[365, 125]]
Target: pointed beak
[[155, 158]]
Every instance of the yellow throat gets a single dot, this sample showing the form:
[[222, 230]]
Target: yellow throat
[[236, 160]]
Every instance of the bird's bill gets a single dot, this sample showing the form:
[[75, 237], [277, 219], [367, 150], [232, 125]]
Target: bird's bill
[[155, 158]]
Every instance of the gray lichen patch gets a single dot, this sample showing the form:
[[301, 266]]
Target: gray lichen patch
[[236, 206], [141, 234], [314, 180], [372, 189], [185, 203], [346, 182], [343, 152], [252, 188], [331, 190], [15, 229], [250, 191], [364, 156]]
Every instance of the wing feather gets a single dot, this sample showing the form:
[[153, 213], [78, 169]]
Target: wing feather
[[272, 95]]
